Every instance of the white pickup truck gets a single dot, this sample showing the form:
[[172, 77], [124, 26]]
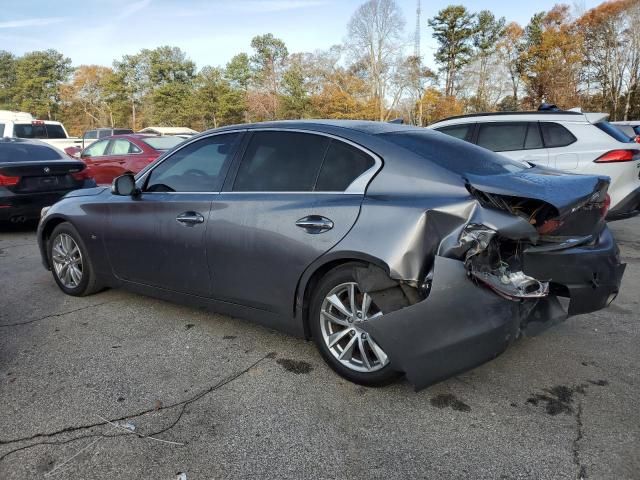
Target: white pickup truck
[[24, 125]]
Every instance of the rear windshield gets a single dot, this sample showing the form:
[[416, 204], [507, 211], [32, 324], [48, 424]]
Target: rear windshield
[[23, 152], [455, 155], [162, 143], [614, 132], [29, 130]]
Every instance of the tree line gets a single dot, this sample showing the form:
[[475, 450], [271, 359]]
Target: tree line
[[588, 59]]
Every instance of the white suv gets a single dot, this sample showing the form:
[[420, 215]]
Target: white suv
[[567, 140]]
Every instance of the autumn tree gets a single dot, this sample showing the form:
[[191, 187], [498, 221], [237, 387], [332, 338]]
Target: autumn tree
[[86, 99], [509, 49], [7, 79], [551, 60], [487, 32], [453, 28], [374, 40], [38, 76], [268, 64]]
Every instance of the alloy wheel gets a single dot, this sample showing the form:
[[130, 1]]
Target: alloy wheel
[[344, 310], [67, 260]]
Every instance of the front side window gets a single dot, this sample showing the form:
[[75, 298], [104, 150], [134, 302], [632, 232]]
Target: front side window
[[342, 165], [90, 135], [120, 146], [463, 132], [281, 162], [198, 167], [502, 137], [97, 149], [555, 135]]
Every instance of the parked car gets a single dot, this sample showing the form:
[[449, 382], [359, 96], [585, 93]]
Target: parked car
[[34, 175], [118, 154], [24, 125], [183, 132], [572, 141], [395, 248]]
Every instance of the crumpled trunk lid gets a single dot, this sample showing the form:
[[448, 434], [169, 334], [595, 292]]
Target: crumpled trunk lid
[[557, 204]]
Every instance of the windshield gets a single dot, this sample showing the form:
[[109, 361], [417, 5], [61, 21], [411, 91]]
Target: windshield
[[39, 130], [24, 152], [455, 155], [162, 143], [614, 132]]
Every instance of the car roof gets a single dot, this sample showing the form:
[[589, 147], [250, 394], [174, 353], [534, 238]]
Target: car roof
[[362, 126], [24, 141], [569, 116]]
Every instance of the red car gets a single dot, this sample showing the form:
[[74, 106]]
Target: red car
[[111, 157]]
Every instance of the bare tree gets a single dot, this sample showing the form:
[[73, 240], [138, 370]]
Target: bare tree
[[375, 39]]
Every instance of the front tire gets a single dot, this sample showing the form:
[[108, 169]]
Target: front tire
[[70, 263], [338, 310]]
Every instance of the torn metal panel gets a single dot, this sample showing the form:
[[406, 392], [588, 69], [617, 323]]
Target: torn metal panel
[[460, 325]]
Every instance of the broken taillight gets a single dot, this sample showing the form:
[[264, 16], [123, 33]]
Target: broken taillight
[[618, 156]]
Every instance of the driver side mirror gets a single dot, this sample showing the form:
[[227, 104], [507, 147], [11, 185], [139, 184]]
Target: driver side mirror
[[124, 185]]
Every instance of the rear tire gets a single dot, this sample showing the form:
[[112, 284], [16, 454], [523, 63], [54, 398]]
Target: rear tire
[[336, 329], [70, 263]]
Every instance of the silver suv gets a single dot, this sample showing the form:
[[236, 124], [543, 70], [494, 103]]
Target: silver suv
[[572, 141]]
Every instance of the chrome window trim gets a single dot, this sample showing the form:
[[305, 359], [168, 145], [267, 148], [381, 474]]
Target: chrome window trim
[[357, 187]]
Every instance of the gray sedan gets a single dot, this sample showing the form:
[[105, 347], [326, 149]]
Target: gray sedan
[[398, 250]]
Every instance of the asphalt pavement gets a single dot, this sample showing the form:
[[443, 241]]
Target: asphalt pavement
[[120, 386]]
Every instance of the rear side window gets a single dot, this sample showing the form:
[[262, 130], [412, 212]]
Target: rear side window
[[28, 130], [121, 146], [21, 152], [463, 132], [162, 143], [502, 137], [614, 132], [458, 157], [281, 162], [533, 140], [198, 167], [342, 165], [555, 135], [55, 131], [1, 129], [39, 130]]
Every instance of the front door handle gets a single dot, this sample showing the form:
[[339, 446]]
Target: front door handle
[[315, 224], [190, 218]]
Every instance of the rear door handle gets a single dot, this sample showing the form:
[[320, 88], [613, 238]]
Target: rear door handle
[[315, 224], [190, 218]]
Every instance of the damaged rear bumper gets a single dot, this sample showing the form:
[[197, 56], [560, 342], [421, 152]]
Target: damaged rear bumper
[[462, 323]]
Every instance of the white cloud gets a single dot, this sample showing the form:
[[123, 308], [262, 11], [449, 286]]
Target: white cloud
[[133, 8], [31, 22], [262, 6]]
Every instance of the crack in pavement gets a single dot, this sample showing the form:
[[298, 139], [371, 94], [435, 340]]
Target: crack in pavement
[[582, 470], [54, 315], [183, 404]]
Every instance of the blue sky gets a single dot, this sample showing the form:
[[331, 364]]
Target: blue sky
[[210, 31]]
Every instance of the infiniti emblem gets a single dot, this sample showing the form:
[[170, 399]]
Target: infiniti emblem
[[47, 169]]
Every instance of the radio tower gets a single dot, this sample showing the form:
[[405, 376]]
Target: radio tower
[[416, 45]]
